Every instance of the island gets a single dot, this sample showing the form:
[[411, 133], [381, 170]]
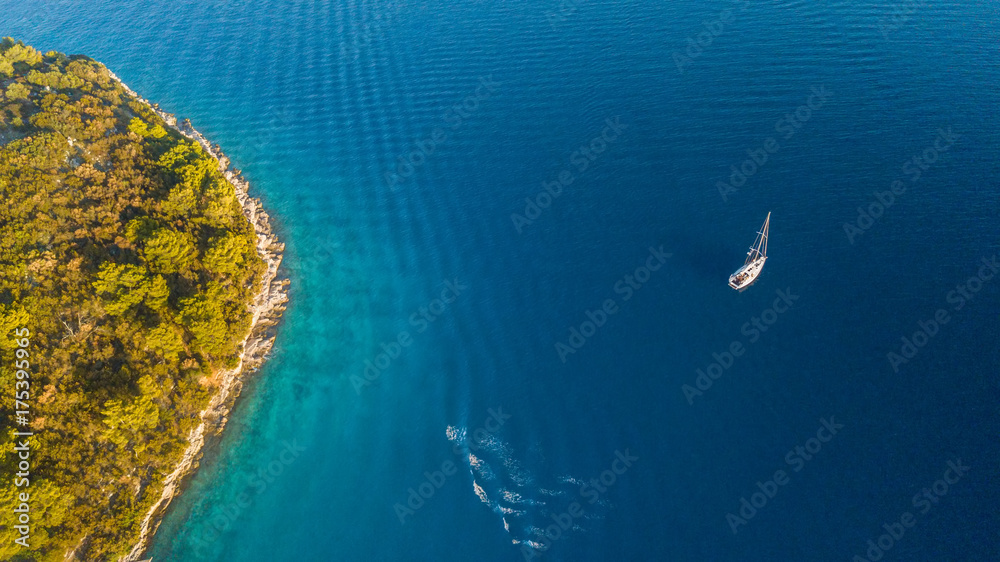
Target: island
[[139, 286]]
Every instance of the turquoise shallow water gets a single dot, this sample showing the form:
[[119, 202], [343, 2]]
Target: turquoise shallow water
[[317, 101]]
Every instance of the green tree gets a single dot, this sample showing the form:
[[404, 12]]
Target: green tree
[[17, 92], [12, 52], [139, 127], [169, 251], [166, 341], [128, 425], [204, 319], [12, 318], [123, 286], [227, 254]]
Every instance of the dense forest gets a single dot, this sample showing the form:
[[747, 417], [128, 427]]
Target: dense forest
[[125, 256]]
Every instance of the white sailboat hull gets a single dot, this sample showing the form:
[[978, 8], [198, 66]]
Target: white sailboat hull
[[747, 275]]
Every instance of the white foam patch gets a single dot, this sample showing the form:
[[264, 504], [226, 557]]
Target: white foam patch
[[511, 497], [480, 492], [454, 434], [476, 462]]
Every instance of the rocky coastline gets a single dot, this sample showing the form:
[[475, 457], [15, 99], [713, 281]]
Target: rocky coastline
[[267, 308]]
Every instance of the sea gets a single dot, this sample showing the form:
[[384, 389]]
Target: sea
[[509, 228]]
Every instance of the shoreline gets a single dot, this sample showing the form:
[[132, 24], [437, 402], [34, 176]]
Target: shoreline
[[267, 308]]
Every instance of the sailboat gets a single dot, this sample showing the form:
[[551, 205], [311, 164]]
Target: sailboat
[[746, 275]]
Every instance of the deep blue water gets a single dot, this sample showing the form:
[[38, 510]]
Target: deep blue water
[[317, 100]]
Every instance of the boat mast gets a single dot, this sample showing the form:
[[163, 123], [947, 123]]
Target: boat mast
[[759, 243], [764, 231]]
